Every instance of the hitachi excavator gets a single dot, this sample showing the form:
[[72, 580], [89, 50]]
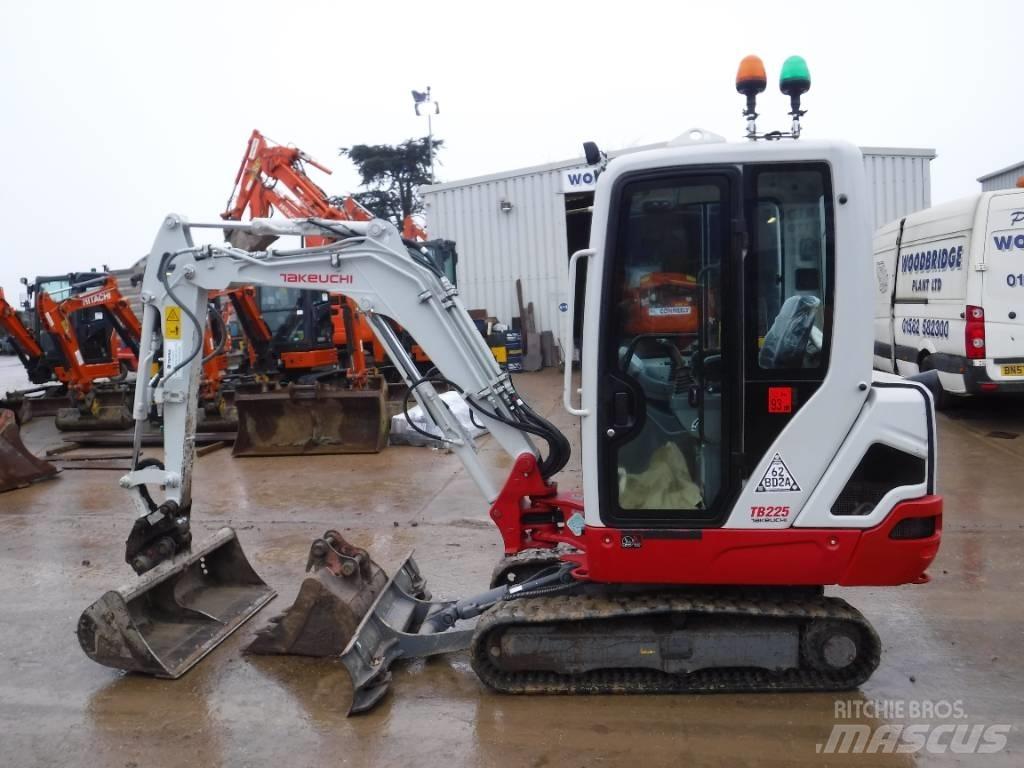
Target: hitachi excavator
[[731, 472]]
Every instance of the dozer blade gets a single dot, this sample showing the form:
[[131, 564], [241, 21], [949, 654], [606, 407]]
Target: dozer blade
[[175, 613], [18, 466], [102, 408], [311, 419], [330, 603]]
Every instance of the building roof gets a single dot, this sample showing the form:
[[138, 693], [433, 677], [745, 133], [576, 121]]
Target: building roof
[[1001, 171], [581, 161]]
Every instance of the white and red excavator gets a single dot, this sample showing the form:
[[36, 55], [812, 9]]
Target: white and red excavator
[[732, 468]]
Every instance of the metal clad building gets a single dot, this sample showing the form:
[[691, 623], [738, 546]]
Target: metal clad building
[[1004, 178], [526, 223], [901, 180]]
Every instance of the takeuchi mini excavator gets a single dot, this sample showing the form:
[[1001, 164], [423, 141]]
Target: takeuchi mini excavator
[[728, 478]]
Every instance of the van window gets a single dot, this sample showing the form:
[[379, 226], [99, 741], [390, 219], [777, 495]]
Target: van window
[[789, 302]]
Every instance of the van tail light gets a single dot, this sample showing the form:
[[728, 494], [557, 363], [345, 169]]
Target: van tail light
[[974, 332]]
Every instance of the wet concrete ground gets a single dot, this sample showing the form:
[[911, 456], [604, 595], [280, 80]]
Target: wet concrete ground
[[61, 545]]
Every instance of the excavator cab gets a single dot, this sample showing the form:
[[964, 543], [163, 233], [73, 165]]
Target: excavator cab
[[444, 257]]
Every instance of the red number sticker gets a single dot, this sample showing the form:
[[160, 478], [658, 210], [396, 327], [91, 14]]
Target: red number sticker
[[780, 399]]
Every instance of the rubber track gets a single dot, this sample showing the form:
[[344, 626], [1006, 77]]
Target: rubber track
[[774, 604]]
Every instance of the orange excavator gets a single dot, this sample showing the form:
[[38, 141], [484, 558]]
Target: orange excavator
[[80, 322], [303, 400], [85, 342]]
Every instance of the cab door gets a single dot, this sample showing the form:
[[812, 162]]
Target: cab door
[[668, 364]]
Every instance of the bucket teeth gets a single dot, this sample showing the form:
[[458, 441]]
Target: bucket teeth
[[330, 604]]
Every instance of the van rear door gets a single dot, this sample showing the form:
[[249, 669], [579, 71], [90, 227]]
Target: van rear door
[[1003, 286]]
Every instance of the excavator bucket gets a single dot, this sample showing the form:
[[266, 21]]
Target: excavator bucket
[[219, 415], [330, 605], [102, 408], [350, 609], [18, 466], [312, 419], [175, 613], [35, 403]]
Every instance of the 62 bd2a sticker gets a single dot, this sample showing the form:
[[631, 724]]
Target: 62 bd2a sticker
[[777, 478]]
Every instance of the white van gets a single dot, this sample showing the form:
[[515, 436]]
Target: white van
[[950, 294]]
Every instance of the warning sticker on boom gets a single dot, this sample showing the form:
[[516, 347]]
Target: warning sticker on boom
[[172, 322], [777, 478]]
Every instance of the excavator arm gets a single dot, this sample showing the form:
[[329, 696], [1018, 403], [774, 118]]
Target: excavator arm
[[370, 263], [28, 349]]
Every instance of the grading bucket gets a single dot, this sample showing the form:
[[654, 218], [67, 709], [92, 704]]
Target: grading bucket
[[175, 613]]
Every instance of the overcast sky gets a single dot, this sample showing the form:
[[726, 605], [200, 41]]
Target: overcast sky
[[116, 114]]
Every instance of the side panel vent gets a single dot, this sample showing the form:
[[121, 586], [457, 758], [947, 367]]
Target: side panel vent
[[880, 470]]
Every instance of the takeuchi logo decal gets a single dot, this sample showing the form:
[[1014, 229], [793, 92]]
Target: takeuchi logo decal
[[315, 278]]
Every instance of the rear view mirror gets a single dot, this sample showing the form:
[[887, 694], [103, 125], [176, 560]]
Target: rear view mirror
[[593, 154]]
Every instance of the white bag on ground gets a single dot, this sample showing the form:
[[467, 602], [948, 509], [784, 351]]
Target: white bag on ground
[[403, 434]]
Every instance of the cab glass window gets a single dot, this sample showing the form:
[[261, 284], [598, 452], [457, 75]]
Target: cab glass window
[[788, 266]]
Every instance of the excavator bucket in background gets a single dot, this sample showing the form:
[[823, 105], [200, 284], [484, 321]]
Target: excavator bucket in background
[[330, 605], [18, 466], [247, 241], [34, 403], [311, 419], [219, 415], [175, 613], [104, 407]]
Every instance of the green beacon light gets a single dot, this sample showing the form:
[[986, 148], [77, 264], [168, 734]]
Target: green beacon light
[[794, 82]]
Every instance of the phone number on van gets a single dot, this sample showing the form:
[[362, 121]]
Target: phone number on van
[[915, 326]]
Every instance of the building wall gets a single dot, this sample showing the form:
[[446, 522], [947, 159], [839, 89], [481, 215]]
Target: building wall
[[901, 181], [496, 248], [529, 242], [1006, 179]]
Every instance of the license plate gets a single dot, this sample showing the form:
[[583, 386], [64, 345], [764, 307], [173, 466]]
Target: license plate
[[1012, 370]]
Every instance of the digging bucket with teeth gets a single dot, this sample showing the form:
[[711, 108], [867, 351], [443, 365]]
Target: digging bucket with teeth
[[176, 612], [312, 419], [350, 609], [331, 602]]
